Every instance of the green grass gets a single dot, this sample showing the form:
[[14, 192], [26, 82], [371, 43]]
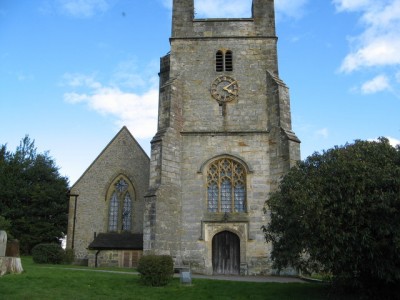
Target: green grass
[[60, 282]]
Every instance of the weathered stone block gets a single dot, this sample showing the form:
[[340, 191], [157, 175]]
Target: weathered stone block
[[3, 243]]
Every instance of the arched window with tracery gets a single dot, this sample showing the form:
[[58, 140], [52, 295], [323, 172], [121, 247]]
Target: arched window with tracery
[[226, 186], [120, 196]]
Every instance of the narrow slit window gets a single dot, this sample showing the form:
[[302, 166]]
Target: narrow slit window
[[224, 61], [219, 61], [228, 61]]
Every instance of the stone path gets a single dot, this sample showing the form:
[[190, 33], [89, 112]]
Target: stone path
[[279, 279]]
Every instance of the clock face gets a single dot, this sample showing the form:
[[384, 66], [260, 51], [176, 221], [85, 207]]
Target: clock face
[[224, 89]]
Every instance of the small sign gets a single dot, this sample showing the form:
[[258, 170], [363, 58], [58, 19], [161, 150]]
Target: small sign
[[186, 277]]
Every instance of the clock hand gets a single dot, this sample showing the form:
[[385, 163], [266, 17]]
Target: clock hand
[[231, 92], [226, 88]]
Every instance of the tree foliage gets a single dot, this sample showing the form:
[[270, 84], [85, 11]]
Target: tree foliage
[[33, 195], [339, 212]]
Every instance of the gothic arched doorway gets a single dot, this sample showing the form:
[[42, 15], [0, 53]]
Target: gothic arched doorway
[[226, 253]]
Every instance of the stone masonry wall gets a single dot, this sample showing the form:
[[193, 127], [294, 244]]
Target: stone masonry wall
[[194, 129], [121, 156]]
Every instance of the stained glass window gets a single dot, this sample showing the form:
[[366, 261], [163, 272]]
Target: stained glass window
[[121, 186], [113, 213], [226, 186], [120, 206], [127, 213], [213, 193]]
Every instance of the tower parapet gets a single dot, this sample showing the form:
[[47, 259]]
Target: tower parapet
[[186, 25]]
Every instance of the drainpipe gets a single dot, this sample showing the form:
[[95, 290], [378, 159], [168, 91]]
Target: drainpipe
[[95, 260], [74, 221]]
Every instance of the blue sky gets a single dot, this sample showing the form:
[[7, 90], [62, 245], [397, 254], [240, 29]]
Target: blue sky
[[73, 72]]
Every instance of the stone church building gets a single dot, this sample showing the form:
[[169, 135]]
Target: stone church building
[[224, 140]]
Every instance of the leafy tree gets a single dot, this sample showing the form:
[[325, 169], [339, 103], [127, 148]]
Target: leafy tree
[[339, 212], [5, 224], [33, 195]]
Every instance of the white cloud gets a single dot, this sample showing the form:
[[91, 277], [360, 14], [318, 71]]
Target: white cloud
[[21, 76], [397, 76], [351, 5], [377, 51], [83, 8], [167, 3], [222, 8], [74, 98], [290, 8], [377, 84], [80, 80], [379, 44], [128, 75], [323, 133], [136, 111], [393, 141], [242, 8]]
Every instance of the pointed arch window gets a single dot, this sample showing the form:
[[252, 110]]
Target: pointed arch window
[[223, 60], [120, 210], [226, 186]]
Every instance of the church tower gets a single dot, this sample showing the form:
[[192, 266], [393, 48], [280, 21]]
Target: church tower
[[224, 139]]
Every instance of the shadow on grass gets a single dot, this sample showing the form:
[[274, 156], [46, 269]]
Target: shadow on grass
[[59, 282]]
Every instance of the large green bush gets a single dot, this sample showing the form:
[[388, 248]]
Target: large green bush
[[48, 254], [339, 212], [156, 270]]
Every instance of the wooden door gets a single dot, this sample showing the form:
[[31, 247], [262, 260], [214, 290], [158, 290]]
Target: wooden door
[[226, 253]]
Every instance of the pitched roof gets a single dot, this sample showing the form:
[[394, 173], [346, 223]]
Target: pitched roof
[[123, 130], [117, 241]]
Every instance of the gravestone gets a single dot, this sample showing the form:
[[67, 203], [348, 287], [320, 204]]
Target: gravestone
[[3, 243], [186, 276], [12, 248], [10, 262]]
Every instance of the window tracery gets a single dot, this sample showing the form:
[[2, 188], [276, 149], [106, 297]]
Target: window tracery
[[226, 186], [120, 206]]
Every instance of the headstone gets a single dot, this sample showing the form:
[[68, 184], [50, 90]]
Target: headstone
[[186, 276], [3, 243], [12, 248]]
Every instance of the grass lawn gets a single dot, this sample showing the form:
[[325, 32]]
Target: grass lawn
[[60, 282]]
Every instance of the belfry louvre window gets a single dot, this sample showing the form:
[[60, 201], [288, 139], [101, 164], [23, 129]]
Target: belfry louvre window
[[226, 186], [223, 61], [120, 206]]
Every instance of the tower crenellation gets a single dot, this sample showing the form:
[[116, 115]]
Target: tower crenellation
[[186, 25]]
